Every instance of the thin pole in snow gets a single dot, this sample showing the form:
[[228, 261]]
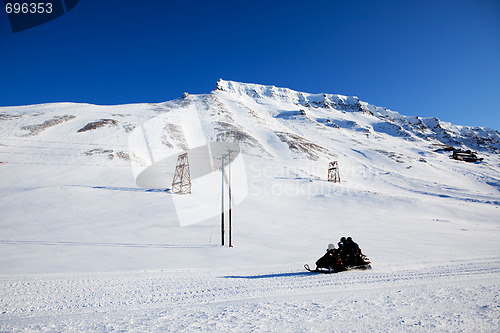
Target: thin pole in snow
[[222, 204], [223, 157], [230, 207]]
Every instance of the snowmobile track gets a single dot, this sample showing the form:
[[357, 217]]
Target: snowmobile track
[[260, 297], [62, 294]]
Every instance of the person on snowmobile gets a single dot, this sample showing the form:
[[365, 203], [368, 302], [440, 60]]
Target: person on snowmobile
[[349, 249], [341, 243], [355, 254], [354, 247], [331, 260], [344, 254]]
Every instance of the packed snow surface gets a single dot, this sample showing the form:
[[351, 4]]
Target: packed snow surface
[[462, 295], [93, 239]]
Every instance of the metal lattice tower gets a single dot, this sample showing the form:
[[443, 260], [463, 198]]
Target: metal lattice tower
[[333, 172], [181, 184]]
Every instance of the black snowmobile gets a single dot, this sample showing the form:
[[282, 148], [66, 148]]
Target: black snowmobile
[[347, 257]]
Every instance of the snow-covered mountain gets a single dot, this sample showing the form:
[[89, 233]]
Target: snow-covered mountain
[[284, 136], [83, 191], [267, 121], [349, 113]]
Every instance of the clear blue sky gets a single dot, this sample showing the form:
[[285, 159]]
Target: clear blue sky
[[428, 58]]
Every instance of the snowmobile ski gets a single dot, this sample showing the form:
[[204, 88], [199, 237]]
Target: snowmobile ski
[[330, 271], [317, 270]]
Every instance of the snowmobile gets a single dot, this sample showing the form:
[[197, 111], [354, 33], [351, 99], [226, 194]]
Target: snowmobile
[[332, 262]]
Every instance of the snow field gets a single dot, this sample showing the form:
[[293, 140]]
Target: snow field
[[463, 296]]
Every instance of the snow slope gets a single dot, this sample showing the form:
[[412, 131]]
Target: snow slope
[[85, 247]]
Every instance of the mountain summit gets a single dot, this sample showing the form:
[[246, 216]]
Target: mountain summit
[[266, 121], [339, 111]]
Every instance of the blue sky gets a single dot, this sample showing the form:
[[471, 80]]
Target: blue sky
[[428, 58]]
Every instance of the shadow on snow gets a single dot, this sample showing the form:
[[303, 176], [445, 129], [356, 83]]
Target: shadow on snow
[[267, 276], [126, 189], [105, 244]]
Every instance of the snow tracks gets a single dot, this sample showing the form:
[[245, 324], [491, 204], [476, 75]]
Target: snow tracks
[[462, 296]]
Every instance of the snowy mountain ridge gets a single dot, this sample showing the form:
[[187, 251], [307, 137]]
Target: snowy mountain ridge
[[267, 121], [390, 122]]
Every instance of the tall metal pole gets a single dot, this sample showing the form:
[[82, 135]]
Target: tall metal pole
[[230, 221], [222, 204]]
